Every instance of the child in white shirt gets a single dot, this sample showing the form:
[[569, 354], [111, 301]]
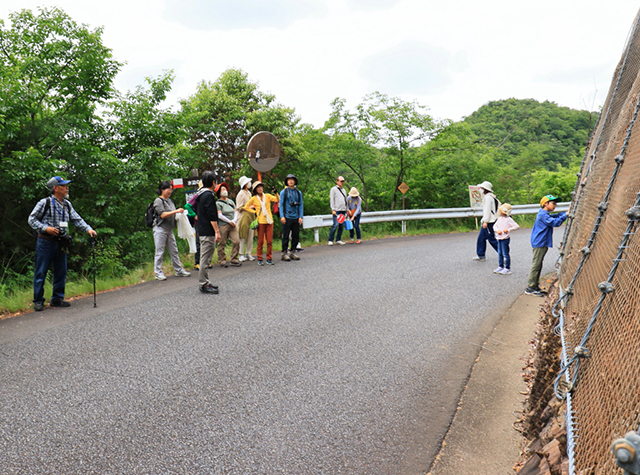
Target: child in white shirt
[[503, 226]]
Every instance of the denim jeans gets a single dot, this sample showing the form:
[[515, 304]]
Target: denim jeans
[[48, 253], [504, 259], [356, 227], [484, 236], [336, 225]]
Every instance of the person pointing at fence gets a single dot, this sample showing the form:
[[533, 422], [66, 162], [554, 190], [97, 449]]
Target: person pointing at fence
[[50, 219], [338, 202]]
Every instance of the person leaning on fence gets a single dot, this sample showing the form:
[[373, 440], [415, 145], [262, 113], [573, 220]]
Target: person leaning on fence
[[245, 233], [338, 202], [291, 212], [260, 204], [490, 206], [208, 231], [503, 227], [163, 225], [50, 218], [542, 240], [227, 225], [354, 212]]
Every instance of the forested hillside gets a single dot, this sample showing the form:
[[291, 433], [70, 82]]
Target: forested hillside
[[61, 115]]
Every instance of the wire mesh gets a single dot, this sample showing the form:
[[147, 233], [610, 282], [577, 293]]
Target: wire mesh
[[605, 397]]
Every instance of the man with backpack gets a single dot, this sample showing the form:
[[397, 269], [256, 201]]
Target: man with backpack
[[50, 219], [490, 205], [291, 212]]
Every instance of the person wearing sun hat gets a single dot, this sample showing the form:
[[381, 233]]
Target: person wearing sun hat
[[244, 221], [542, 240], [490, 205], [503, 227], [228, 228], [260, 204], [354, 211]]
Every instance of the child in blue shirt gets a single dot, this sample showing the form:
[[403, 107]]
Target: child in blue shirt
[[542, 240]]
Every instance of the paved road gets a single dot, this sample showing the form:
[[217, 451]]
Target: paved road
[[350, 361]]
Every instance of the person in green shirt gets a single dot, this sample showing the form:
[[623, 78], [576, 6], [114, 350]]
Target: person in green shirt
[[228, 230]]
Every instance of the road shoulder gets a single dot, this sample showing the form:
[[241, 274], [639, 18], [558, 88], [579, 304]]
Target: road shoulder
[[481, 439]]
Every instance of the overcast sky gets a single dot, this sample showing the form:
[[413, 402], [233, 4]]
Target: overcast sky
[[452, 56]]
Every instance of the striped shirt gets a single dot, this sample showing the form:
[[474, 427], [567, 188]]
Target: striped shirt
[[57, 212]]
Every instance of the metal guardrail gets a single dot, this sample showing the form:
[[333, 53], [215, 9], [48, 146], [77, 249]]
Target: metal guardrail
[[326, 220]]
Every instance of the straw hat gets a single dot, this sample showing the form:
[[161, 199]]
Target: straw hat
[[353, 193], [505, 209], [486, 185], [256, 185]]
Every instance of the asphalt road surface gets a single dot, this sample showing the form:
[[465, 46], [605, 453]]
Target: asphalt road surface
[[350, 361]]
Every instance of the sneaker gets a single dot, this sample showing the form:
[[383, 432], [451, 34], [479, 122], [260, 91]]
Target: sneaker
[[341, 243], [358, 241], [538, 289], [208, 289], [160, 277], [250, 257], [294, 257], [235, 263], [242, 259], [285, 256], [59, 303], [498, 270], [269, 262], [351, 242], [183, 273], [197, 267], [505, 271], [260, 263], [478, 258], [533, 291], [330, 243], [38, 306]]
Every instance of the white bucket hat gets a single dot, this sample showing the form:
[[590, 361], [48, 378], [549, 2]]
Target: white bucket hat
[[486, 185], [243, 181]]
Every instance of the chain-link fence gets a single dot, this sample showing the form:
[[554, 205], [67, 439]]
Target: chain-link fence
[[599, 280]]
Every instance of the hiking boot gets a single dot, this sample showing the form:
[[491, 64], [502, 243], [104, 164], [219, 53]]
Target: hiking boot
[[285, 256], [38, 306], [269, 262], [183, 273], [351, 242], [223, 264], [197, 267], [294, 257], [260, 262], [59, 303], [235, 263], [358, 241]]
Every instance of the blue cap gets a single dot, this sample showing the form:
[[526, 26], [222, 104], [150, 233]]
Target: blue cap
[[57, 181]]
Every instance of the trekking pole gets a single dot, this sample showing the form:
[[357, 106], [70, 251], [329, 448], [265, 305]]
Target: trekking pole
[[93, 251]]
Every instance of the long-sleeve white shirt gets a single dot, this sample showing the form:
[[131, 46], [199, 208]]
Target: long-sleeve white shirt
[[489, 208]]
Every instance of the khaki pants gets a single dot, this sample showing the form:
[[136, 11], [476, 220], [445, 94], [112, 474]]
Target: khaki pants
[[536, 266], [228, 232], [207, 245]]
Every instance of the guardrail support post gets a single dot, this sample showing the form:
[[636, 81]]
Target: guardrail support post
[[404, 227], [316, 234]]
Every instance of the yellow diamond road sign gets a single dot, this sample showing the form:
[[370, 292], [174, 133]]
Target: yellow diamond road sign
[[403, 188]]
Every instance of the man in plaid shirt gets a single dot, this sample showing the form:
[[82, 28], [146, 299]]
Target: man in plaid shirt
[[50, 219]]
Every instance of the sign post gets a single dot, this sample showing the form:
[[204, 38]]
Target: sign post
[[403, 188], [475, 199]]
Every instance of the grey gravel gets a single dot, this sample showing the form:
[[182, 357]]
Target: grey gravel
[[349, 361]]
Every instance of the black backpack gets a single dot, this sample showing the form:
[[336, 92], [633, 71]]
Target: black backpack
[[150, 215]]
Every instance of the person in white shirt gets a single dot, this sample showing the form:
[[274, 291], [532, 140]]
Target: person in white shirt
[[490, 206]]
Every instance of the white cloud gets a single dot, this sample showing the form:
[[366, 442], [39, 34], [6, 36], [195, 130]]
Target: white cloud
[[228, 15], [372, 4], [412, 67]]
